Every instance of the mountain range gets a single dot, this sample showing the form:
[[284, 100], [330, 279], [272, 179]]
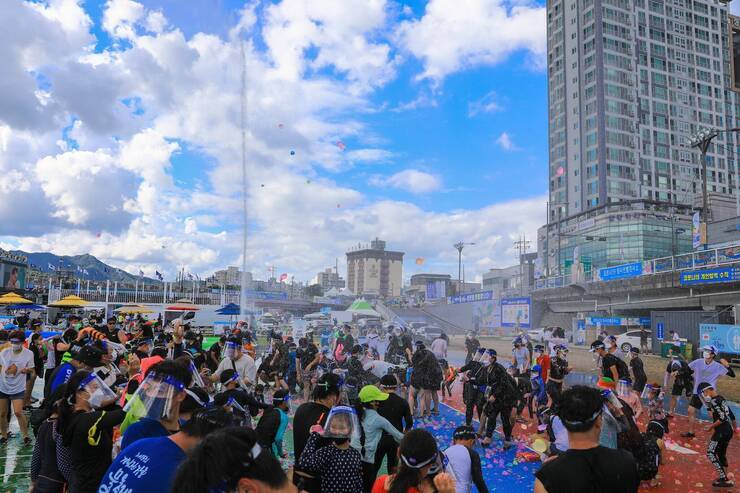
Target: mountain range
[[83, 266]]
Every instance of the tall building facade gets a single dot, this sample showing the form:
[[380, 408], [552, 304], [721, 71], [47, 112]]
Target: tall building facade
[[373, 270], [329, 279], [629, 81]]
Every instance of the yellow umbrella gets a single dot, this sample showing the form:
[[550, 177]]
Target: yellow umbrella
[[133, 309], [14, 299], [70, 301]]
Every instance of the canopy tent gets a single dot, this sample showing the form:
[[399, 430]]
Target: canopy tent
[[183, 305], [333, 292], [70, 301], [133, 309], [23, 306], [315, 316], [362, 308], [346, 292], [230, 309], [14, 299]]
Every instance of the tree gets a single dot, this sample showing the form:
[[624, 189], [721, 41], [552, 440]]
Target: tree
[[314, 290]]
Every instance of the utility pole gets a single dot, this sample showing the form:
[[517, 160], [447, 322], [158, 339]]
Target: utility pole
[[522, 245]]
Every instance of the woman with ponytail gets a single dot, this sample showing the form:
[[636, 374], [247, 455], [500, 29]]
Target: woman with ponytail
[[231, 461], [87, 416], [420, 468]]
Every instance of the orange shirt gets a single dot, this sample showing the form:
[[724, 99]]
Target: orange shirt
[[380, 486]]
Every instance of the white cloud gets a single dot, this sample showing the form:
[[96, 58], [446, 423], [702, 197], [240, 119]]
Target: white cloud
[[410, 180], [487, 104], [457, 34], [504, 141], [121, 16]]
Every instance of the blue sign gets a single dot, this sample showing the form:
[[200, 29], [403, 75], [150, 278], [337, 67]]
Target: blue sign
[[515, 312], [659, 331], [710, 276], [470, 297], [621, 271], [326, 310], [645, 321], [606, 320], [725, 337]]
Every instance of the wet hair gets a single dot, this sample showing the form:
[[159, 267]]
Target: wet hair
[[69, 398], [190, 404], [417, 445], [579, 406], [328, 384], [206, 421], [173, 369], [17, 335], [656, 429], [226, 375], [222, 459]]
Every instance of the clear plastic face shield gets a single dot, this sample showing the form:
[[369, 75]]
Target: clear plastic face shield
[[478, 355], [650, 392], [708, 352], [230, 349], [624, 388], [439, 465], [97, 391], [155, 397], [197, 379], [611, 398], [342, 424], [241, 415], [595, 351]]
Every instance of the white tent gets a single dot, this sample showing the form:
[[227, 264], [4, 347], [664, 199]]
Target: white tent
[[333, 292]]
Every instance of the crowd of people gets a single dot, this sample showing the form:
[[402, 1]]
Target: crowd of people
[[131, 406]]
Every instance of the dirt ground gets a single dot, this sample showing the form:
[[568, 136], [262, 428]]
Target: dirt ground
[[581, 361]]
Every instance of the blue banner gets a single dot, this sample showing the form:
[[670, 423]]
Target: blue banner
[[470, 297], [621, 271], [605, 320], [710, 276], [725, 337], [659, 331]]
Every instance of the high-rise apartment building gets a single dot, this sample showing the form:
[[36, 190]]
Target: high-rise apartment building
[[629, 81], [373, 270]]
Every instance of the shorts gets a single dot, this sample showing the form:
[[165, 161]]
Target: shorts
[[696, 402], [679, 389], [12, 397]]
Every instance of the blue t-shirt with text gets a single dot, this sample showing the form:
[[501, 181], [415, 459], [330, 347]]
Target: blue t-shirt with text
[[144, 428], [147, 466]]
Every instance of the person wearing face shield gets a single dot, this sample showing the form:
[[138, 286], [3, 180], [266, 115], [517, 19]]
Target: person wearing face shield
[[542, 359], [87, 416], [273, 423], [586, 466], [235, 359], [472, 344], [15, 363], [473, 386], [558, 370], [683, 380], [500, 399], [156, 403], [231, 389], [328, 453], [707, 370]]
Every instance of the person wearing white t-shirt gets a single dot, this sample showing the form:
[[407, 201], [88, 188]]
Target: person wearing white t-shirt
[[464, 461], [15, 363], [236, 360]]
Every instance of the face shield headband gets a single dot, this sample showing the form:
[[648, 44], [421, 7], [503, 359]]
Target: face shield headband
[[155, 397]]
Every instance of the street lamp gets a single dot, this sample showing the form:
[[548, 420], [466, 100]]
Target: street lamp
[[459, 247]]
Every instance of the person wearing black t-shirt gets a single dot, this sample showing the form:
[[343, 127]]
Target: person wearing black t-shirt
[[325, 396], [397, 411], [586, 466], [611, 366]]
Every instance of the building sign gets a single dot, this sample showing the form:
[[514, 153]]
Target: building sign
[[470, 297], [621, 271], [618, 321], [660, 331], [725, 337], [710, 276], [436, 290], [515, 312], [698, 231]]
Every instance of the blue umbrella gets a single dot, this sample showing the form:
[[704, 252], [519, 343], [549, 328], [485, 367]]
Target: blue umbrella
[[230, 309], [26, 307]]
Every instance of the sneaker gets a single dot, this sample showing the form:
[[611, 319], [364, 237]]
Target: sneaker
[[507, 446], [723, 483], [688, 434]]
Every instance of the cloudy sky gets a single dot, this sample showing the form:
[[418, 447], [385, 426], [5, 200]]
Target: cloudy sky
[[421, 122]]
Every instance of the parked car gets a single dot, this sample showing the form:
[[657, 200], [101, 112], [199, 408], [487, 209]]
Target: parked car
[[540, 335], [630, 339], [432, 332]]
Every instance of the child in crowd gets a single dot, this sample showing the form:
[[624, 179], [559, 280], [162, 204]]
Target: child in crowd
[[626, 393], [650, 455], [539, 395], [655, 405], [722, 428]]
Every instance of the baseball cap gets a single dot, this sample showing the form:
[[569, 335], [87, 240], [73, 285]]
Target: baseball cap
[[388, 381], [702, 387], [370, 393], [597, 345], [635, 350]]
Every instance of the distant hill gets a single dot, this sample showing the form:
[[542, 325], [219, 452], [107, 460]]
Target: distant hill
[[96, 270]]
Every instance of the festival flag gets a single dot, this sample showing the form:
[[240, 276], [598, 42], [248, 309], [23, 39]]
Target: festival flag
[[159, 276]]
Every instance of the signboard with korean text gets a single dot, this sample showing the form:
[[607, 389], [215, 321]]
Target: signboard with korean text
[[725, 337], [515, 312], [470, 297], [621, 271], [710, 276]]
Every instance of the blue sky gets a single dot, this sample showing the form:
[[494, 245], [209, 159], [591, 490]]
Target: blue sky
[[441, 105]]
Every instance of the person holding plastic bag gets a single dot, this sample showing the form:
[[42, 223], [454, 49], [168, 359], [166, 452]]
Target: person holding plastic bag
[[87, 416], [328, 453]]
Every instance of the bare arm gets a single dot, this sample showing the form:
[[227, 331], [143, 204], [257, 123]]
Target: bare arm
[[539, 487]]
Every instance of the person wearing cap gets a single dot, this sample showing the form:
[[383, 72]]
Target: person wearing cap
[[611, 366], [273, 423], [373, 426], [706, 369], [722, 428], [611, 347], [15, 363], [111, 332], [586, 466], [325, 396], [501, 395], [472, 376], [683, 380], [163, 417], [84, 357], [464, 461], [231, 389], [639, 377], [558, 370], [328, 453], [149, 465], [398, 413]]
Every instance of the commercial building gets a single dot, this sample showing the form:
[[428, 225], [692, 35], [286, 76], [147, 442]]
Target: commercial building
[[373, 270], [329, 279], [504, 282], [231, 276], [628, 83], [429, 286]]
